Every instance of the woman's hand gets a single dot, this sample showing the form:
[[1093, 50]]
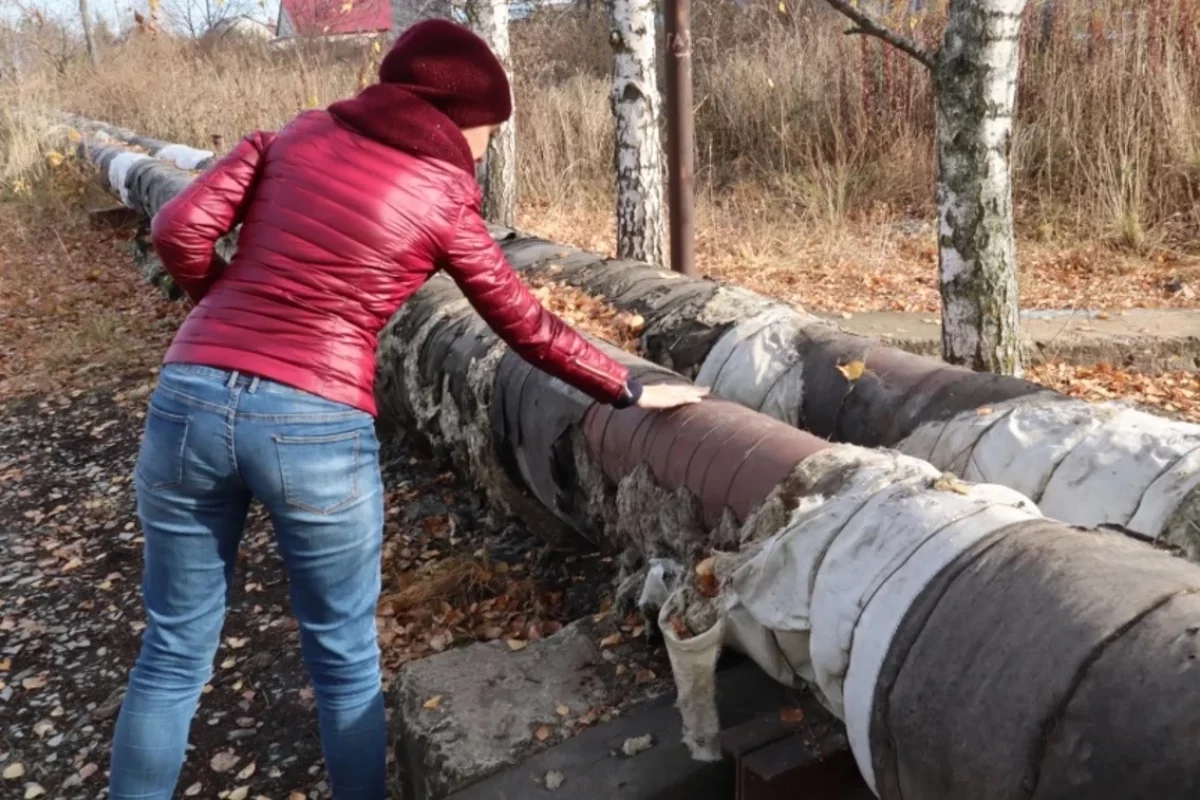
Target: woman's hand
[[659, 396]]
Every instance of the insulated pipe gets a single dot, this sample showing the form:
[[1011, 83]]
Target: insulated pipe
[[973, 648], [1085, 463]]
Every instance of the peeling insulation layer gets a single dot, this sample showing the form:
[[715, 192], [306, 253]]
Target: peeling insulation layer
[[180, 155], [804, 371], [1090, 463], [972, 647]]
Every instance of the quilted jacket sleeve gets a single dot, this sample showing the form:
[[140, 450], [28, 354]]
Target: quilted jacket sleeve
[[186, 229], [477, 265]]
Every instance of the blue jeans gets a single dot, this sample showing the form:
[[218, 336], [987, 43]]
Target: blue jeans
[[213, 440]]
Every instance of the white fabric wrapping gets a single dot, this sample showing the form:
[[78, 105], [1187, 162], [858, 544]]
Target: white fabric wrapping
[[183, 156], [1084, 463]]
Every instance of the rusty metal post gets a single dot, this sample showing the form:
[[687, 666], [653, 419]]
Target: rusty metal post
[[680, 136]]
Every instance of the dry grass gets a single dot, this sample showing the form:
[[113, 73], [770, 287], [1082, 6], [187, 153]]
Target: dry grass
[[815, 149]]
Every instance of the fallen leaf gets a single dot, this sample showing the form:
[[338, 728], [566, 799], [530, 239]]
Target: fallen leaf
[[949, 483], [432, 703], [236, 643], [516, 644], [645, 676], [224, 761], [611, 641], [679, 627], [297, 796], [88, 771], [247, 771], [853, 370], [706, 577], [5, 664], [563, 710], [35, 682], [542, 733], [14, 771], [791, 716]]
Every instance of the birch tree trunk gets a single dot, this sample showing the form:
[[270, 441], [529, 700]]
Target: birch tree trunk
[[975, 76], [85, 17], [499, 175], [975, 83], [641, 226]]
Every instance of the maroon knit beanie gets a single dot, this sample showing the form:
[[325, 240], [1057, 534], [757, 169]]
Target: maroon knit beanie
[[453, 70]]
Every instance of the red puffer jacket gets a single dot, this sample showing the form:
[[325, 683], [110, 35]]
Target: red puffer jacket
[[338, 230]]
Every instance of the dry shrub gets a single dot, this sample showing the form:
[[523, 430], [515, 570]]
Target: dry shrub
[[829, 126]]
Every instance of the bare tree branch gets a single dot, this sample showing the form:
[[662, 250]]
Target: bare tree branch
[[868, 26]]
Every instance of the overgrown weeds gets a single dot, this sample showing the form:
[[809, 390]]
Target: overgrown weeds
[[803, 133]]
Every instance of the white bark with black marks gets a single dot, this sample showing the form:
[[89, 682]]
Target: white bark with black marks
[[641, 227], [499, 174], [89, 38], [975, 83], [975, 76]]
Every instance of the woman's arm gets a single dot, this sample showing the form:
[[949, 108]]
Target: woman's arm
[[477, 265], [185, 231]]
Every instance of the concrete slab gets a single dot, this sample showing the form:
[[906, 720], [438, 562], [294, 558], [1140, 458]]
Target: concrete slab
[[1149, 340], [600, 762], [468, 713]]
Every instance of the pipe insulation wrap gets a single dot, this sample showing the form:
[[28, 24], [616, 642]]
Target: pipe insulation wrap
[[973, 647], [784, 363], [790, 365]]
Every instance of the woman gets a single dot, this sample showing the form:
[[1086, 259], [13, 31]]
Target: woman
[[267, 389]]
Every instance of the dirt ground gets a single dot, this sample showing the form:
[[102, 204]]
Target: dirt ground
[[80, 341]]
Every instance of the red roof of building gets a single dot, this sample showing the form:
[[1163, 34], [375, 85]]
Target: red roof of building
[[326, 17]]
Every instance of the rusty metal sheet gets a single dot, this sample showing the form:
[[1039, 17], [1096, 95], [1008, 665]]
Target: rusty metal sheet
[[667, 427], [764, 468], [687, 441], [617, 435], [718, 478], [595, 420], [636, 453]]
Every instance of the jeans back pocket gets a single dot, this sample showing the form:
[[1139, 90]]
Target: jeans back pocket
[[320, 473], [161, 458]]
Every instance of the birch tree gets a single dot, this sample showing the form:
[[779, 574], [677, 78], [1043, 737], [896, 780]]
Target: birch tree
[[89, 37], [975, 83], [499, 175], [641, 227]]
